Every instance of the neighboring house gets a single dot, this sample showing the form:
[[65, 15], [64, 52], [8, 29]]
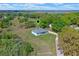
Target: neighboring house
[[39, 31], [75, 27]]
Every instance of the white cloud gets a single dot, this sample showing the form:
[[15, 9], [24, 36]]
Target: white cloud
[[42, 6], [36, 7]]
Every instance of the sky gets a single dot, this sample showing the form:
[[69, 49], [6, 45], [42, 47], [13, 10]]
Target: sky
[[39, 6]]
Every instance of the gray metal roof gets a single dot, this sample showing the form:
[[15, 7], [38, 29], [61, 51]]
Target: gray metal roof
[[39, 30]]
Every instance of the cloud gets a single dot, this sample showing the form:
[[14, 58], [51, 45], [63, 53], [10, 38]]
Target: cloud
[[37, 6]]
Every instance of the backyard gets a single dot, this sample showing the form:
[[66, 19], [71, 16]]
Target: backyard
[[44, 44]]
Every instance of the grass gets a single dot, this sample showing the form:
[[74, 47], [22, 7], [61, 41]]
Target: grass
[[43, 43]]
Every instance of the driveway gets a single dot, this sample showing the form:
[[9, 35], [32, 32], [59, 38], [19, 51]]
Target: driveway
[[58, 50]]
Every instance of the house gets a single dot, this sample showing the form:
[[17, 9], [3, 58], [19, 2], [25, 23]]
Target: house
[[75, 27], [39, 31]]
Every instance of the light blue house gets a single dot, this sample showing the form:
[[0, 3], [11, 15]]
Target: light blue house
[[39, 31]]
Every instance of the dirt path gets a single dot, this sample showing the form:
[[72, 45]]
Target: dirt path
[[58, 51]]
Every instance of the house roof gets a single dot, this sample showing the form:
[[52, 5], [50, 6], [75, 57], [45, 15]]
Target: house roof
[[39, 30]]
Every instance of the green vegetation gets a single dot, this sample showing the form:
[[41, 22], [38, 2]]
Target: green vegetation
[[58, 25], [30, 24], [10, 44], [16, 37], [59, 21]]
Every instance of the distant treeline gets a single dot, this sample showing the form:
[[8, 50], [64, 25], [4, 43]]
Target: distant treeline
[[52, 11]]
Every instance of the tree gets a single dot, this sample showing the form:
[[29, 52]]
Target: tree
[[5, 22], [69, 41], [43, 24], [22, 19], [57, 25], [30, 24], [46, 20], [71, 18]]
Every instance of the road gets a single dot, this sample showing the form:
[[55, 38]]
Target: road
[[58, 50]]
